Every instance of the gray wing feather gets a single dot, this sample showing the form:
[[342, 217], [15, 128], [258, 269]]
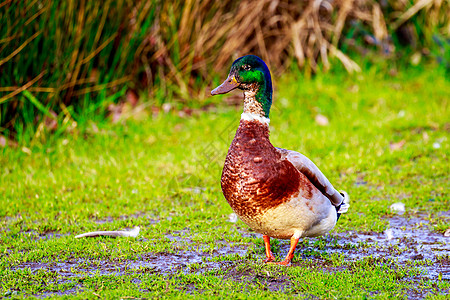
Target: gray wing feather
[[312, 172]]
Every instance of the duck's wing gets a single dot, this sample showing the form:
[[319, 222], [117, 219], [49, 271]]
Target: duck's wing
[[312, 172]]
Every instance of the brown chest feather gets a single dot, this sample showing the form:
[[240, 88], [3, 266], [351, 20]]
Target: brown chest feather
[[255, 177]]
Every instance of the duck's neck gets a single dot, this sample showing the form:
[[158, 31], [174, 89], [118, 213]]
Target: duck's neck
[[257, 101]]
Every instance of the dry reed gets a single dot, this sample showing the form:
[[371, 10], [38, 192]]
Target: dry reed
[[208, 35]]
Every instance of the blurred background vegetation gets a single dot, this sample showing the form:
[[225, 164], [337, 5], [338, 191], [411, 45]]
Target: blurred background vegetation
[[65, 62]]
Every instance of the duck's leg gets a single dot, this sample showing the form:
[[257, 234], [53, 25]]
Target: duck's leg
[[269, 254], [290, 255]]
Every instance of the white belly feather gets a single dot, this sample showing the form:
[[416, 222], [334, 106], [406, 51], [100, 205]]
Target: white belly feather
[[298, 217]]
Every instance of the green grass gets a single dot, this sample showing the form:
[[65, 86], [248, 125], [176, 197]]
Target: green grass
[[162, 173]]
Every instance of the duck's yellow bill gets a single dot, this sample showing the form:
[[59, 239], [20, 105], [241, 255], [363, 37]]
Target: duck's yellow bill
[[228, 85]]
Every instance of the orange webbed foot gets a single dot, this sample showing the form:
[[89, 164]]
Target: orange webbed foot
[[270, 258], [285, 262]]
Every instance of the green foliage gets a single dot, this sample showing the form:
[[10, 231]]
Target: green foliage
[[66, 56]]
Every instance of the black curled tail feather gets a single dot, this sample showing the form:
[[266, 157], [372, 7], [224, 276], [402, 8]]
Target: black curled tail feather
[[344, 206]]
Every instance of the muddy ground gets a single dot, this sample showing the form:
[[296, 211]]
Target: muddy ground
[[405, 242]]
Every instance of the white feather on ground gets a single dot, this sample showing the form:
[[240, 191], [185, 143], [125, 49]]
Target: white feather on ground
[[125, 233]]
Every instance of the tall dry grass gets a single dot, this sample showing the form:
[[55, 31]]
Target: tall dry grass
[[195, 39], [65, 60]]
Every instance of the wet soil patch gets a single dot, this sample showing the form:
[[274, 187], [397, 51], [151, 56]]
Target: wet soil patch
[[150, 218], [407, 242], [162, 263]]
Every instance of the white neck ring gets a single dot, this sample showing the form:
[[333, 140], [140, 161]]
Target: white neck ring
[[254, 117]]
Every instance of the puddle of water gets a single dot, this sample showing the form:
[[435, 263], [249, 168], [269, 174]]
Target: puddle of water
[[150, 218], [405, 241], [157, 262], [43, 236]]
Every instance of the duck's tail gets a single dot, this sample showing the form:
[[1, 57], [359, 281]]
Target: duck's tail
[[345, 205]]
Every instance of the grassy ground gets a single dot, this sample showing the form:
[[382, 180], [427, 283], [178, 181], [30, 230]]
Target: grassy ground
[[386, 142]]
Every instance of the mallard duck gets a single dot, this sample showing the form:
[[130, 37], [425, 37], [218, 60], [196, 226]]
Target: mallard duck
[[276, 192]]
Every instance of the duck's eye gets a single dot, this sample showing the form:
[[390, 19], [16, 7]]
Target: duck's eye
[[246, 67]]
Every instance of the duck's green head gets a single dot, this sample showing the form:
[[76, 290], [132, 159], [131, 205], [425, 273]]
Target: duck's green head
[[250, 74]]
